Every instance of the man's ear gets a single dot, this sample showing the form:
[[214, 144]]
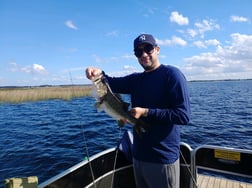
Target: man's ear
[[158, 49]]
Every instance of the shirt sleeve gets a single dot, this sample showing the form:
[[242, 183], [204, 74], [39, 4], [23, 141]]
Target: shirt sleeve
[[179, 111]]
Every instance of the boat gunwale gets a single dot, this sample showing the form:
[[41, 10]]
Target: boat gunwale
[[75, 167], [211, 169], [192, 165], [109, 173]]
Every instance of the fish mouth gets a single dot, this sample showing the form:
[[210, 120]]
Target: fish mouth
[[98, 78]]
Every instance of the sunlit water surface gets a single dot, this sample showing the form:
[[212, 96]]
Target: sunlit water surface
[[47, 137]]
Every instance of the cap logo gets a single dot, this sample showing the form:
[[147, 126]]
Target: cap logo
[[142, 38]]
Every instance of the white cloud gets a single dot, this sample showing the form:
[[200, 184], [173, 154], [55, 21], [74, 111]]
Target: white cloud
[[238, 19], [212, 42], [199, 44], [179, 18], [70, 24], [38, 69], [192, 32], [173, 41], [204, 26], [99, 59], [200, 28], [28, 69], [178, 41], [129, 68], [206, 43], [233, 61], [149, 11], [13, 66], [112, 33]]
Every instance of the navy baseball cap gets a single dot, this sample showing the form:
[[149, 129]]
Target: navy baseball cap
[[144, 38]]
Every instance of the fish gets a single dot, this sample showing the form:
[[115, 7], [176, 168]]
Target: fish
[[114, 106]]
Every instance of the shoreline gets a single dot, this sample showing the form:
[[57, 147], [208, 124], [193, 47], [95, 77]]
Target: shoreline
[[18, 94], [39, 93], [89, 85]]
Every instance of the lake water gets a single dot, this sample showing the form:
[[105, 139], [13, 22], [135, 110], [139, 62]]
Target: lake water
[[44, 138]]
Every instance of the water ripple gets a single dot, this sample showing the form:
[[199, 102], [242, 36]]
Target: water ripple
[[43, 138]]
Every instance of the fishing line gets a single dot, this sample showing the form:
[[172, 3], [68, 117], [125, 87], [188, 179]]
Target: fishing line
[[116, 154], [83, 133], [189, 170]]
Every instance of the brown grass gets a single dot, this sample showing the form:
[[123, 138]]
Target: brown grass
[[17, 95]]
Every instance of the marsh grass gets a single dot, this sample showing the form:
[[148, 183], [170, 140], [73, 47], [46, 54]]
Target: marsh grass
[[26, 94]]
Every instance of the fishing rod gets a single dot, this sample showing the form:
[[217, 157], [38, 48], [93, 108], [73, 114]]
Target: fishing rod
[[83, 132], [86, 145]]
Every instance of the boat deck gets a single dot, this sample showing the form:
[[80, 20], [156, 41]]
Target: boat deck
[[217, 182], [213, 159]]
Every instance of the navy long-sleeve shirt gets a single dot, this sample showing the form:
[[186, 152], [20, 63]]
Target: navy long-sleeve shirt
[[164, 92]]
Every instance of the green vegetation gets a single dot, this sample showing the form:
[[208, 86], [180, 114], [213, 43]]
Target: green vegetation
[[27, 94]]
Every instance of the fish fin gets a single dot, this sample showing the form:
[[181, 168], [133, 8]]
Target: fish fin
[[120, 123], [118, 96], [98, 106], [94, 92]]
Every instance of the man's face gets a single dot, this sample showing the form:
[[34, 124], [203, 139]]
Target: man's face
[[147, 55]]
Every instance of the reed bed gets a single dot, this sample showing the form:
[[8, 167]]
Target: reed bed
[[27, 94]]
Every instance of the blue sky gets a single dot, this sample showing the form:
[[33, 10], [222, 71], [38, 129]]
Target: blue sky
[[52, 41]]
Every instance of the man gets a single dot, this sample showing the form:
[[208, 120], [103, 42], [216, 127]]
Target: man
[[159, 96]]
